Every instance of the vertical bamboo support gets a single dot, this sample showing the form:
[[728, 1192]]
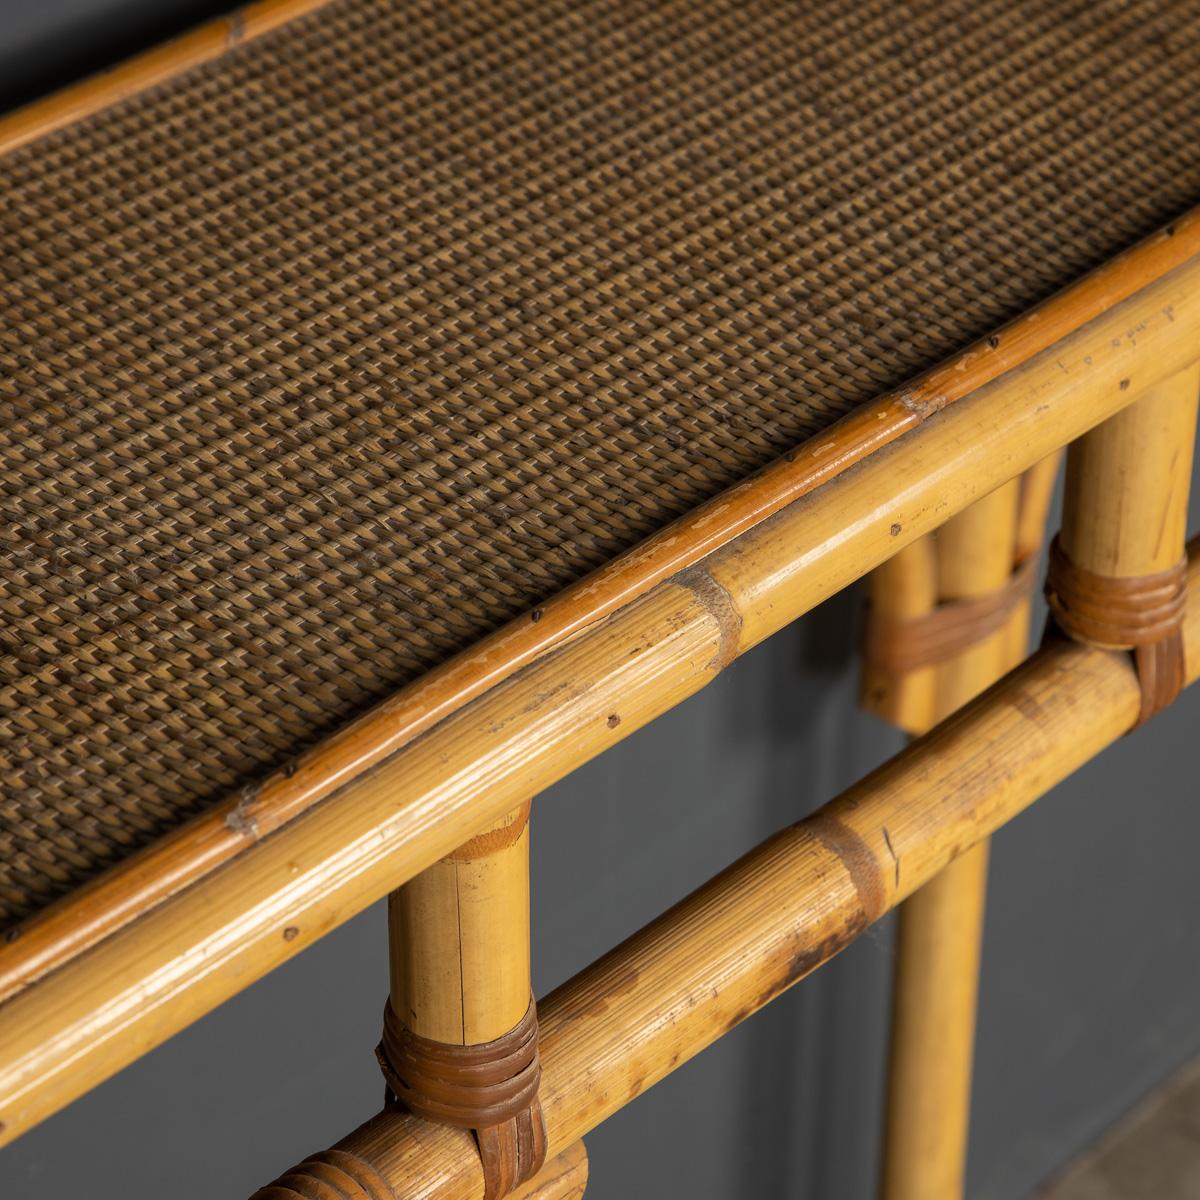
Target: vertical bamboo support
[[1125, 511], [459, 936], [460, 1038], [1037, 494], [941, 926], [904, 586]]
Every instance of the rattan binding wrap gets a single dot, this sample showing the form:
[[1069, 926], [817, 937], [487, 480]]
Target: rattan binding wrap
[[328, 357]]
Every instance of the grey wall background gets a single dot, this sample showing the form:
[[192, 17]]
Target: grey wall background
[[1091, 982]]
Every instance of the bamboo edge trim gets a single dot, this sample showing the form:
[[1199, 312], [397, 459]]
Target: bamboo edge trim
[[96, 910], [151, 67], [864, 852]]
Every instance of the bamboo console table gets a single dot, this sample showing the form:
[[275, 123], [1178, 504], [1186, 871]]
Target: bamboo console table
[[402, 402]]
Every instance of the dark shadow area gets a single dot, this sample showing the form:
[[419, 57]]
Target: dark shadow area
[[51, 43]]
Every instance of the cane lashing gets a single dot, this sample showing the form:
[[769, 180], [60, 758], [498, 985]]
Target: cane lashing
[[490, 1088], [902, 644], [1142, 613]]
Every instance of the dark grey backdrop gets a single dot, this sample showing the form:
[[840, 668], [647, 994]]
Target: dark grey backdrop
[[1091, 988]]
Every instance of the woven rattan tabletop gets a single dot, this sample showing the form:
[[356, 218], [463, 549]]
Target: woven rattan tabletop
[[322, 360]]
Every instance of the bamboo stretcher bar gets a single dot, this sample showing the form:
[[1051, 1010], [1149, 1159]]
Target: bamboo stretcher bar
[[790, 905], [564, 1177], [338, 1176], [136, 988]]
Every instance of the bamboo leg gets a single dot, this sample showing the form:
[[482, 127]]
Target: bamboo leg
[[460, 977], [941, 926], [1037, 492], [1125, 512], [904, 586], [459, 936]]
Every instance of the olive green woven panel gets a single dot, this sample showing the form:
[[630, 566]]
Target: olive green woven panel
[[324, 360]]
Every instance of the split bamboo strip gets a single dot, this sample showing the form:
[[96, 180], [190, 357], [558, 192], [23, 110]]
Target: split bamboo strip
[[137, 987], [200, 847], [790, 905], [940, 930]]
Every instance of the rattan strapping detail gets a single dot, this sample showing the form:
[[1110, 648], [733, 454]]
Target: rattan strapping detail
[[327, 358], [900, 644], [1143, 614], [490, 1089]]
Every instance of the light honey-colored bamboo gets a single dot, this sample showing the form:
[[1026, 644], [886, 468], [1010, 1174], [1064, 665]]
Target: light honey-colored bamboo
[[904, 586], [564, 1177], [1125, 508], [460, 939], [628, 1020], [131, 991], [1037, 494], [1125, 514], [940, 929], [346, 1175]]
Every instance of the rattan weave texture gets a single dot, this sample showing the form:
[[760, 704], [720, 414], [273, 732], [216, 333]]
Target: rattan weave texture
[[325, 359]]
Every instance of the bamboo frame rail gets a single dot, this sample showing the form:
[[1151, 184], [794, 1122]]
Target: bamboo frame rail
[[790, 905], [135, 988]]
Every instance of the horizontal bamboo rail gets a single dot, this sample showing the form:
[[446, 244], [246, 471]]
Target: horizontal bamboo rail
[[200, 847], [342, 1175], [562, 1178], [136, 988], [790, 905]]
